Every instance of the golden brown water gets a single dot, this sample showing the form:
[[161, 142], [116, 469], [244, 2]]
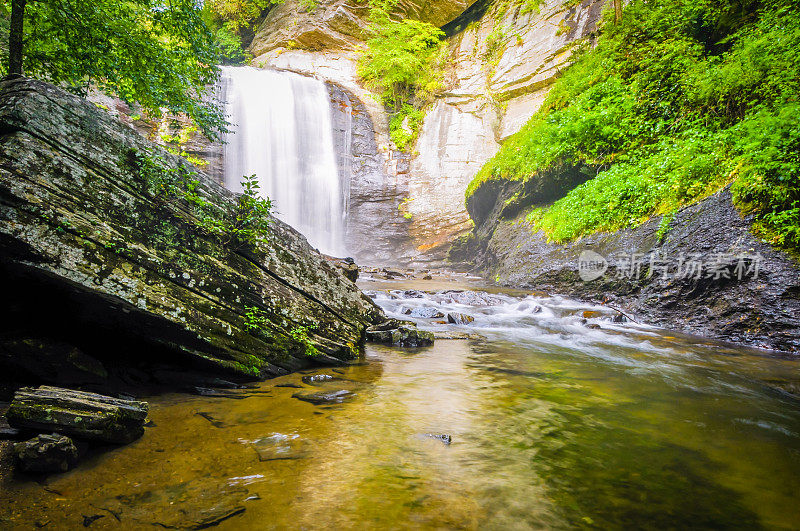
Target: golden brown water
[[631, 428]]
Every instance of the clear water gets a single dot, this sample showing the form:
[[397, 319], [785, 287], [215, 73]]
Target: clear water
[[554, 425], [282, 133]]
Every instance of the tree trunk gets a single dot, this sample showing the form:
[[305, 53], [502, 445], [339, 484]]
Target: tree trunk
[[15, 36], [617, 10]]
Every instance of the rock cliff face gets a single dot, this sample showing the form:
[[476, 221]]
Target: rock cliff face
[[376, 229], [707, 241], [337, 24], [503, 56], [98, 272]]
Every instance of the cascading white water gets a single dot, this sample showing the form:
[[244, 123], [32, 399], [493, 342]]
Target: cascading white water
[[281, 132]]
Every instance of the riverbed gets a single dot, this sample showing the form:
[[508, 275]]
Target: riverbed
[[552, 414]]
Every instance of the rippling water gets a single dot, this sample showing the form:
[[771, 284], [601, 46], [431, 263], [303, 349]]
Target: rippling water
[[558, 419]]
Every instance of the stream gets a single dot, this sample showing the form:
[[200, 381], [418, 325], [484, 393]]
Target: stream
[[557, 417]]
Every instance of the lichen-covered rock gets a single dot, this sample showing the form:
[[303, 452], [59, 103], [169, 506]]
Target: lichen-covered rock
[[46, 453], [400, 333], [131, 276], [79, 414], [411, 337]]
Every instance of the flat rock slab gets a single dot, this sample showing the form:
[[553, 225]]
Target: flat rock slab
[[325, 397], [199, 504], [280, 446], [78, 414]]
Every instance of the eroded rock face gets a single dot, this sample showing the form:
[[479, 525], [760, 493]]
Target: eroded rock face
[[334, 24], [90, 258], [503, 64], [761, 310], [376, 231]]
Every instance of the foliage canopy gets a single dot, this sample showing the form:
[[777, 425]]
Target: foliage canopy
[[155, 53]]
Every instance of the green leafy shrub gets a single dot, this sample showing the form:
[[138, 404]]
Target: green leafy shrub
[[230, 47], [769, 182], [401, 64], [300, 334], [404, 126], [159, 55], [245, 225]]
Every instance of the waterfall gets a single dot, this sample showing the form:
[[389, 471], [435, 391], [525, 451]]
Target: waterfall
[[282, 132]]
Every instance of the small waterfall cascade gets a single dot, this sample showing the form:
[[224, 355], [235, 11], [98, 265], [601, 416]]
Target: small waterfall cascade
[[282, 132]]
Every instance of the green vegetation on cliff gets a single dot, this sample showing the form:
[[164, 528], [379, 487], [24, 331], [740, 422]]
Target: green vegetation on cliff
[[673, 103], [401, 64], [233, 22]]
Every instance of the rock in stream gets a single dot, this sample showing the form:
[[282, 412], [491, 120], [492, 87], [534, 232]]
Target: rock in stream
[[78, 414]]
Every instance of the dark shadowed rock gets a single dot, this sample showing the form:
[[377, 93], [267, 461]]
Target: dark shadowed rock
[[46, 453], [406, 336], [78, 414], [399, 333], [347, 266], [6, 431]]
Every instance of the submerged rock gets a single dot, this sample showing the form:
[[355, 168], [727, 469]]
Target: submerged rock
[[202, 503], [325, 397], [280, 446], [46, 453], [443, 437], [317, 379], [78, 414]]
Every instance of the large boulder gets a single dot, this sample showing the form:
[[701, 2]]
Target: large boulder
[[93, 255], [79, 414]]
